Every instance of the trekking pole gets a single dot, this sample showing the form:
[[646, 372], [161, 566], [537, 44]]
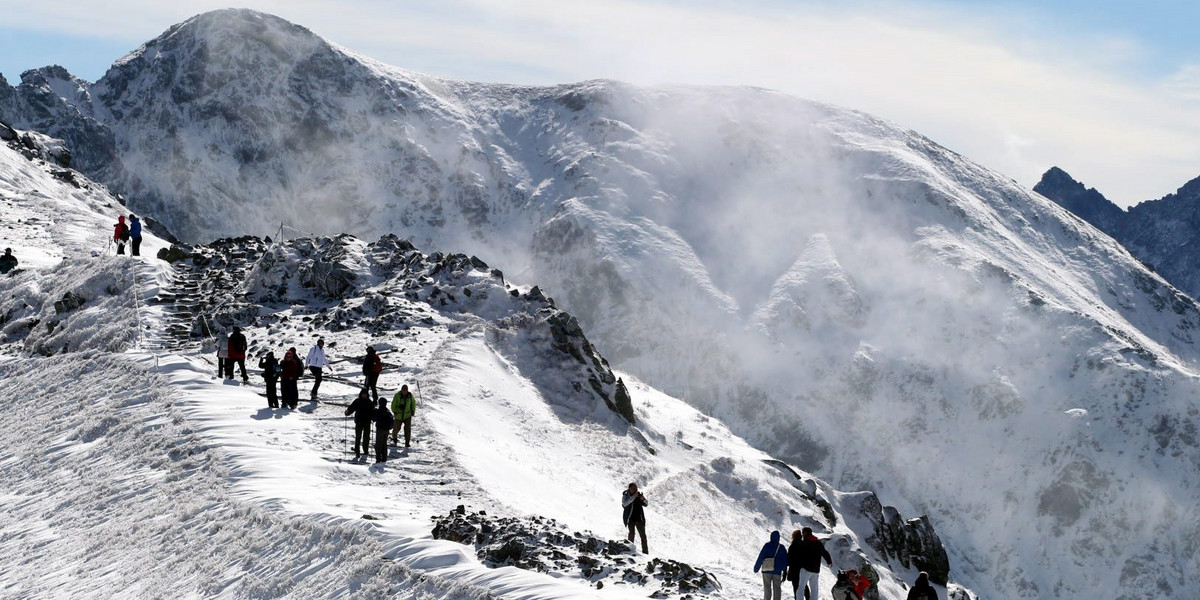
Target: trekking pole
[[345, 433], [419, 396]]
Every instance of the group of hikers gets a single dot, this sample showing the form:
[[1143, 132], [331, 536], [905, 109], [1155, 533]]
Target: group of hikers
[[128, 234], [800, 563], [368, 409]]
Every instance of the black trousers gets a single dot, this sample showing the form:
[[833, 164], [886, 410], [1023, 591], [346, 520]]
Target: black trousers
[[640, 526], [381, 449], [362, 438], [373, 385], [272, 394], [316, 371], [291, 395], [137, 246], [222, 366], [240, 363]]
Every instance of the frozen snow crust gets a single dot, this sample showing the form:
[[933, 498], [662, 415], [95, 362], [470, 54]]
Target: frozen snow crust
[[127, 469], [842, 293]]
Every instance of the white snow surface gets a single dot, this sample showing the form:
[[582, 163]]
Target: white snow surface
[[127, 469], [838, 291]]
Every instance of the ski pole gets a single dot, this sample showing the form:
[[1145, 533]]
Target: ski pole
[[345, 433]]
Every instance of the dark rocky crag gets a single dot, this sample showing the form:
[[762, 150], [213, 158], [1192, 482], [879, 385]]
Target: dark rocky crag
[[1164, 234]]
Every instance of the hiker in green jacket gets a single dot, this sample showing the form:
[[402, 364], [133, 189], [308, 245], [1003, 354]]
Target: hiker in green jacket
[[403, 406]]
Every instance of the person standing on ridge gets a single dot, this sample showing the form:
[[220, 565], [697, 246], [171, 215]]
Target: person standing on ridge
[[772, 559], [316, 361], [372, 367], [8, 262], [135, 236], [921, 590], [270, 375], [224, 367], [804, 564], [633, 503], [121, 234], [237, 354], [383, 423], [290, 370], [363, 410], [403, 405]]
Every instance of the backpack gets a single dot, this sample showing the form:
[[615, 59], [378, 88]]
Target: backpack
[[124, 233], [844, 591], [378, 368]]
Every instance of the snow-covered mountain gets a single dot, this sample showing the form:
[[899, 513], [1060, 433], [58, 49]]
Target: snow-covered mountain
[[128, 470], [844, 294], [1161, 233]]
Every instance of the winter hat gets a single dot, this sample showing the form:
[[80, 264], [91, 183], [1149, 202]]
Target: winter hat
[[121, 219]]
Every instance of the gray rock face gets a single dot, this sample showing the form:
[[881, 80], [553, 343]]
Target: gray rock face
[[912, 542]]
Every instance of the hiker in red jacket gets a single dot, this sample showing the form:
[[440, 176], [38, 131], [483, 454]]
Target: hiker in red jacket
[[290, 369], [237, 354], [121, 234]]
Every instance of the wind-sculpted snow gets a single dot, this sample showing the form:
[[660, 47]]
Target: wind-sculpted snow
[[845, 294]]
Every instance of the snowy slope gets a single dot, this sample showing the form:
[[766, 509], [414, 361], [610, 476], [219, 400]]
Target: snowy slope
[[129, 470], [840, 292]]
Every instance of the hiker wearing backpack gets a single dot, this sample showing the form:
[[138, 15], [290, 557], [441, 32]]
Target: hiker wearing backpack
[[135, 236], [921, 590], [372, 367], [804, 564], [8, 262], [403, 405], [270, 375], [858, 581], [121, 234], [633, 514], [237, 354], [316, 361], [290, 370], [772, 559], [224, 367], [363, 410], [383, 423]]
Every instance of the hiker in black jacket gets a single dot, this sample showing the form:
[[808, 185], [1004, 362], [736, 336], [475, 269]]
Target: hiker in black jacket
[[364, 412], [921, 590], [383, 424], [270, 375], [632, 502], [804, 563]]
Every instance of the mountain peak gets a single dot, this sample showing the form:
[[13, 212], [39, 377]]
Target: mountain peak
[[1086, 203]]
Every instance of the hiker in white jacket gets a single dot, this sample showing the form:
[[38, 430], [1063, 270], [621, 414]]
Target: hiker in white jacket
[[315, 362]]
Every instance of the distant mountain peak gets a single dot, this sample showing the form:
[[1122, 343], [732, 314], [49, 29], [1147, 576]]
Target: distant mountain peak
[[1086, 203]]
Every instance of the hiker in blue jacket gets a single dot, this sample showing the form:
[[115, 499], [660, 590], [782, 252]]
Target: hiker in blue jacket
[[135, 235], [773, 560]]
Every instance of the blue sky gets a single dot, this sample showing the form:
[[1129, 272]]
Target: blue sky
[[1109, 91]]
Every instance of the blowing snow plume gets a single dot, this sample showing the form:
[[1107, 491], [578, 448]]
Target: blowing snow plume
[[844, 293]]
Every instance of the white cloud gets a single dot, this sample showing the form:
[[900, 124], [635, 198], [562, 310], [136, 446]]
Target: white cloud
[[974, 81]]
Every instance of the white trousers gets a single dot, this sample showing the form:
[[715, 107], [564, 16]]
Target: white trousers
[[810, 579]]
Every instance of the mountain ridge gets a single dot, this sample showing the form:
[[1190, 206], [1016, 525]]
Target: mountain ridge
[[664, 218]]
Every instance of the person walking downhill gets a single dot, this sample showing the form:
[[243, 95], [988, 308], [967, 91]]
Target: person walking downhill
[[270, 375], [633, 503], [772, 559], [921, 590], [224, 368], [135, 236], [316, 361], [290, 370], [804, 564], [121, 234], [363, 410], [404, 406], [383, 424], [372, 367], [8, 262], [237, 354]]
